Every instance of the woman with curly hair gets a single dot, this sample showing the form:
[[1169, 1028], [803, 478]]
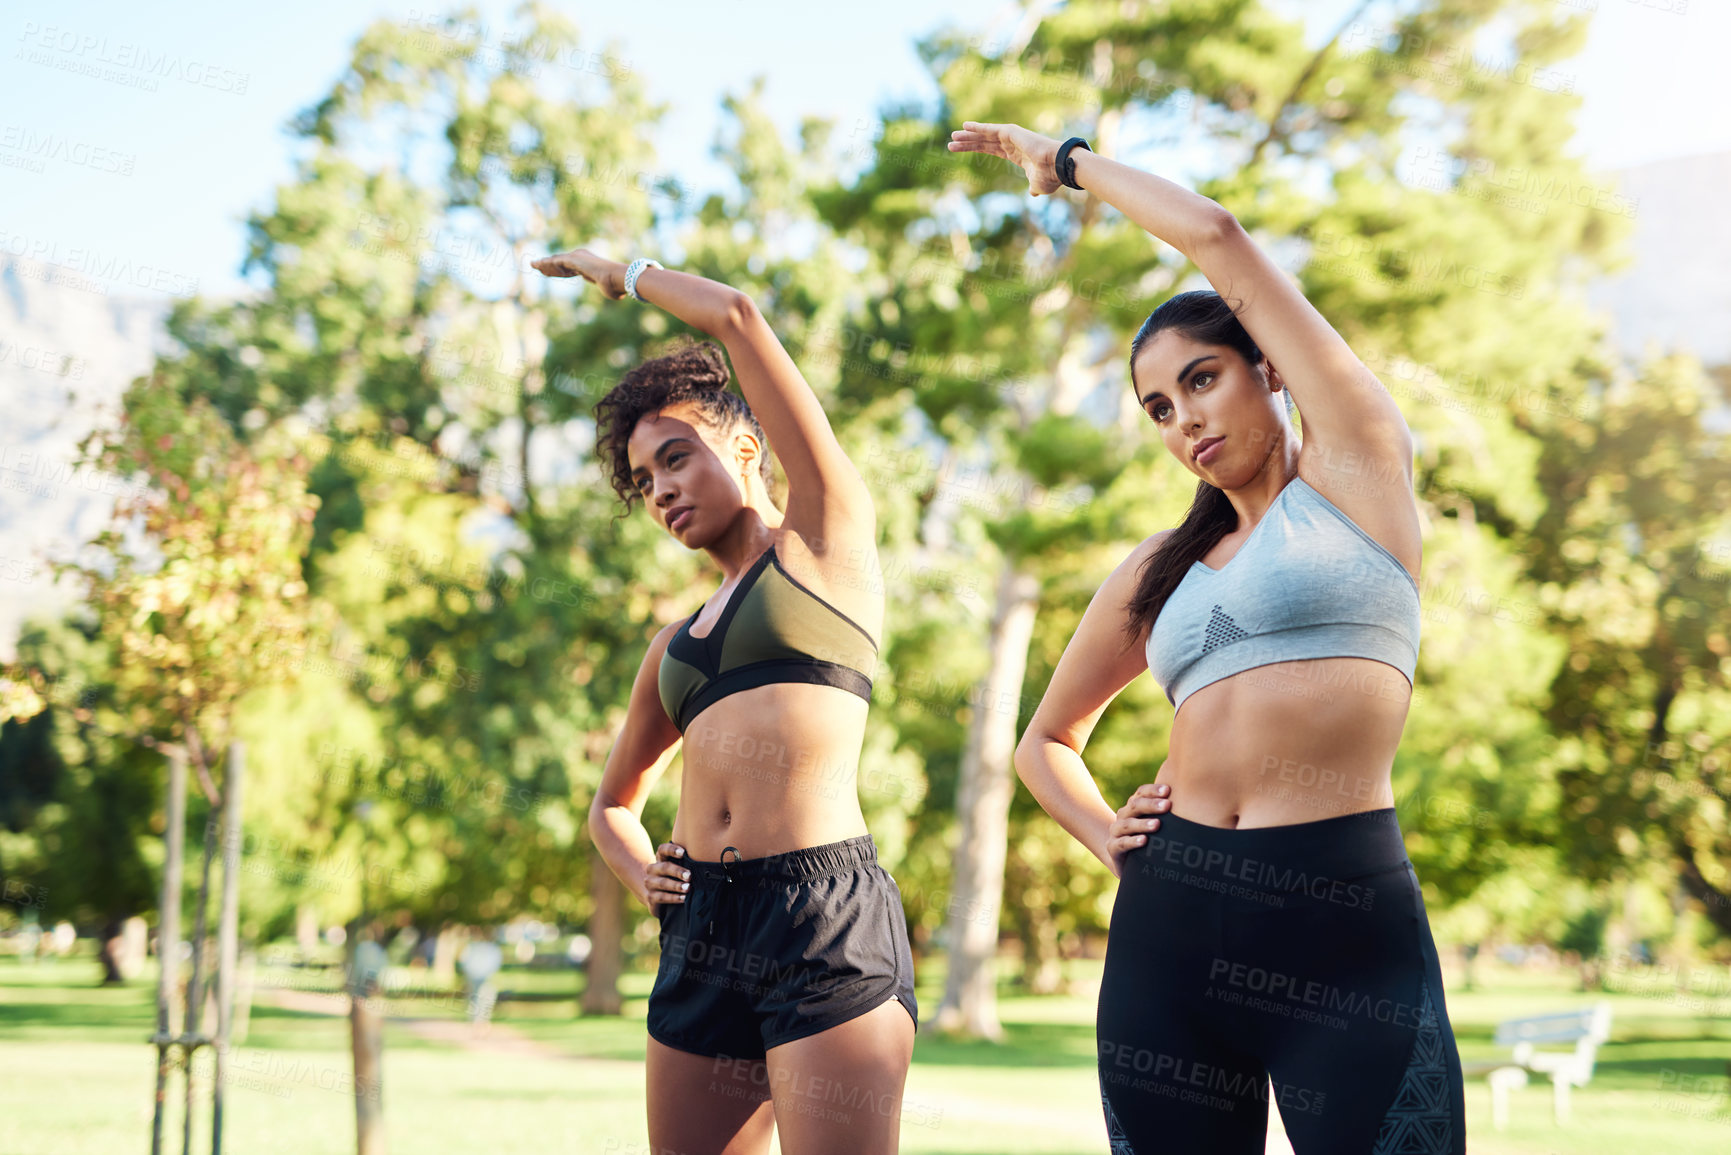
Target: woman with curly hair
[[1274, 929], [785, 994]]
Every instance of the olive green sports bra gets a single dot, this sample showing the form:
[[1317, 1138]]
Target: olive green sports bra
[[771, 631]]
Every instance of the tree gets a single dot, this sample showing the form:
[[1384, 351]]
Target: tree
[[402, 338], [1305, 144], [195, 584], [1630, 551], [83, 805]]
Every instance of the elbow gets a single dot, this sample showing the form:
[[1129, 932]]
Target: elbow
[[597, 817], [739, 313], [1218, 227], [1027, 750]]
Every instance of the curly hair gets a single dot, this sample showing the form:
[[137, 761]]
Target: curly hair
[[692, 371]]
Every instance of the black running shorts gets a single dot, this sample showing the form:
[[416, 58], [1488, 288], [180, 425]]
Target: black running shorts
[[764, 951], [1299, 953]]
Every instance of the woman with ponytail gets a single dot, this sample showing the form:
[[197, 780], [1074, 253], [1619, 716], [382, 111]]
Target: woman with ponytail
[[1272, 930], [785, 963]]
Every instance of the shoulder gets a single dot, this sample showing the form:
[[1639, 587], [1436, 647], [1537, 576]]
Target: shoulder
[[1146, 549], [1122, 582], [1373, 491], [658, 644]]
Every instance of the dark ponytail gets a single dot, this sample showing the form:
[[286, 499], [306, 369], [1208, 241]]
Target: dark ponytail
[[1202, 315]]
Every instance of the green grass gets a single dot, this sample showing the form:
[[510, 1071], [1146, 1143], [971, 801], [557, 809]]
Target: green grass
[[76, 1077]]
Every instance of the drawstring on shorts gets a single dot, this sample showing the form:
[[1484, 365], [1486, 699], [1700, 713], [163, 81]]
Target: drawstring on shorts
[[727, 877]]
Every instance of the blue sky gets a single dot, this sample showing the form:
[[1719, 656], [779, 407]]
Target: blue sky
[[136, 137]]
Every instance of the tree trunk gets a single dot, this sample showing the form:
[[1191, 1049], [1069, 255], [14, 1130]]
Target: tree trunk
[[1624, 927], [1715, 903], [227, 928], [1037, 930], [366, 1030], [243, 999], [970, 1002], [1042, 971], [445, 950], [134, 947], [1680, 950], [197, 987], [112, 946], [607, 943], [307, 929], [168, 935]]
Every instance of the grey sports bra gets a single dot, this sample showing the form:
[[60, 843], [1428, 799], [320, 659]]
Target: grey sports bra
[[1307, 583]]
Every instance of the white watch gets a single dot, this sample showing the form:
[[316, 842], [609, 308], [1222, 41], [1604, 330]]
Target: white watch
[[635, 270]]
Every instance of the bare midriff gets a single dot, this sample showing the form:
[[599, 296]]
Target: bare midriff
[[1288, 742], [772, 769]]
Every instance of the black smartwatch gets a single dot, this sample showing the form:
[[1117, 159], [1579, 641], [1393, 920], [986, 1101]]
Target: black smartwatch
[[1067, 167]]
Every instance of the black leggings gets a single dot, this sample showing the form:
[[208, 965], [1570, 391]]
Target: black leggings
[[1300, 953]]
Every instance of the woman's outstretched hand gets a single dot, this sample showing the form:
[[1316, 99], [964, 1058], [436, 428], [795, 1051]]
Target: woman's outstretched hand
[[1038, 155], [1136, 821], [607, 275]]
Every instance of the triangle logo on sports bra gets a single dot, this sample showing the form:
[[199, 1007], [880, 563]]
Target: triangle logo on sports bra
[[1221, 630]]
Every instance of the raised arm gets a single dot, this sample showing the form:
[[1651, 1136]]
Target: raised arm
[[1345, 408], [1095, 667], [827, 498], [645, 746]]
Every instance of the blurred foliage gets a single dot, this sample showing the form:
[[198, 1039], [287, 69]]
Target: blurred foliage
[[375, 541]]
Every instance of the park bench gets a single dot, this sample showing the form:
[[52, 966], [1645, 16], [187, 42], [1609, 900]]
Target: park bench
[[1585, 1028]]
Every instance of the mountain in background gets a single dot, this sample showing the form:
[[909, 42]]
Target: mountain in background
[[1677, 291], [69, 347]]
